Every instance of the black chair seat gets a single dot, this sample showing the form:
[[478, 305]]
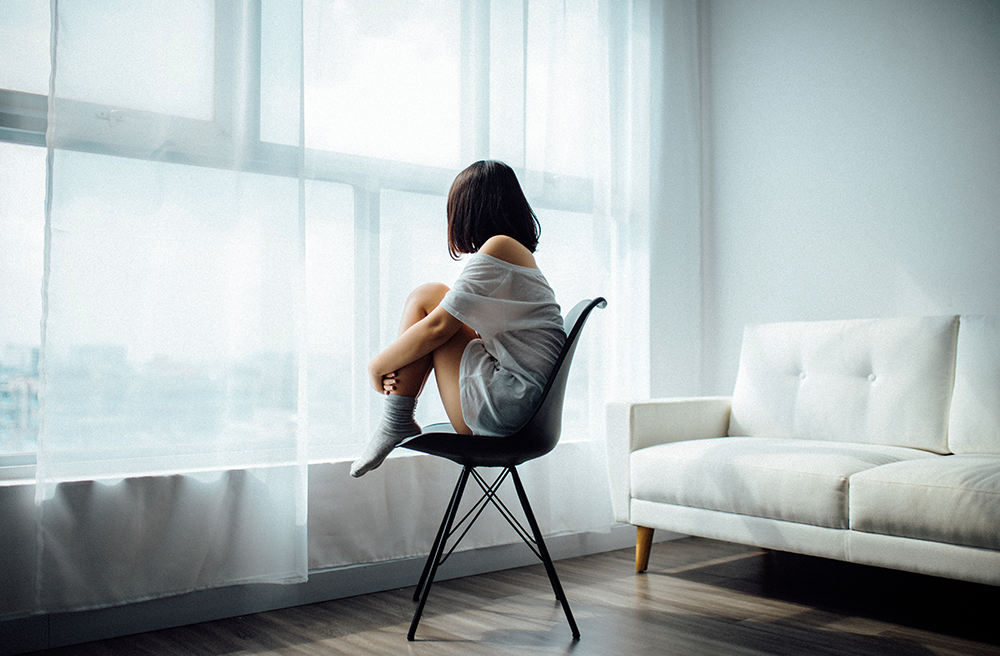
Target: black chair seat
[[475, 450]]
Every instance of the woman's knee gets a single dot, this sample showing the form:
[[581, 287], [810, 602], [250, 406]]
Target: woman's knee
[[427, 295]]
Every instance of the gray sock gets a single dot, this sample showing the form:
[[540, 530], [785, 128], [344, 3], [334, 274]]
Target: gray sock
[[397, 424]]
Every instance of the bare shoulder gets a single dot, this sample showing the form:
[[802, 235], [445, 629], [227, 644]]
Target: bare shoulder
[[509, 250]]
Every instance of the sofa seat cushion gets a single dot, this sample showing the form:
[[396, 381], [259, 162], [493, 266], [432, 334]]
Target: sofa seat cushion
[[953, 499], [794, 480]]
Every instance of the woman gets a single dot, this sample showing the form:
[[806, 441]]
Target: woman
[[492, 340]]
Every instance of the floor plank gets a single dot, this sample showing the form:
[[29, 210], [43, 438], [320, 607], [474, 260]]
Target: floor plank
[[697, 597]]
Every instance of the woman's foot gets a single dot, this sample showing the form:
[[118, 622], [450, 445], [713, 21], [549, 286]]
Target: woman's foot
[[397, 424]]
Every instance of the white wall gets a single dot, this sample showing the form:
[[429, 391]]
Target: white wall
[[852, 165], [676, 191]]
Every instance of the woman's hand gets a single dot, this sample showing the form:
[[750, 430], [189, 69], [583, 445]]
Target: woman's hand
[[375, 378], [389, 382], [381, 383]]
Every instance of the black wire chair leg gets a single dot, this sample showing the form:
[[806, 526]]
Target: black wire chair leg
[[441, 535], [434, 558], [544, 553]]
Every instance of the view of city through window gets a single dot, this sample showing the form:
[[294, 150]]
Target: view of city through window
[[18, 398]]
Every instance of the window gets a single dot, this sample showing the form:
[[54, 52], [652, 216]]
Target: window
[[24, 29], [391, 73], [22, 177], [398, 96]]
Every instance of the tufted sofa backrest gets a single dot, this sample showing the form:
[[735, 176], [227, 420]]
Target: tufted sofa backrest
[[875, 381], [975, 405]]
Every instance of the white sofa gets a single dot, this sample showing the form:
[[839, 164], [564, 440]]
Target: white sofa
[[868, 441]]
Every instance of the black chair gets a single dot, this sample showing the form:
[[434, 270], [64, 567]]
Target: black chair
[[537, 437]]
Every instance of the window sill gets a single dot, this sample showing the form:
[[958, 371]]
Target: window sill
[[17, 468]]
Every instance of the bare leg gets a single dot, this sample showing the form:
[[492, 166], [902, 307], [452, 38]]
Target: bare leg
[[421, 301], [447, 362], [397, 422]]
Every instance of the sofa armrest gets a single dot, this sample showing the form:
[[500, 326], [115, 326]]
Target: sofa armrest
[[634, 426]]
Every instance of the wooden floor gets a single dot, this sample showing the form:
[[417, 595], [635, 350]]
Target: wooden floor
[[698, 597]]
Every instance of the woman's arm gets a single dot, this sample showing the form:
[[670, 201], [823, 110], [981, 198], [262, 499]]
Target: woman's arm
[[415, 342]]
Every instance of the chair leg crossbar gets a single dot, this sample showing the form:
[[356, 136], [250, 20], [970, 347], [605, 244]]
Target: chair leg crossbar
[[449, 527]]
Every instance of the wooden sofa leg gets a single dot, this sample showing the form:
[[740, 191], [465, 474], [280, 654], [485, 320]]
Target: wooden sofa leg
[[643, 543]]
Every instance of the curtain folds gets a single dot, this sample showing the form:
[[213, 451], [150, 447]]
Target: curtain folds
[[239, 197], [171, 451]]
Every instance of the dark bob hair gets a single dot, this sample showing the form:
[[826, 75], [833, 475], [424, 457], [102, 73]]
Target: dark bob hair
[[486, 200]]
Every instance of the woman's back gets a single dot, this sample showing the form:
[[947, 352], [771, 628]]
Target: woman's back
[[514, 311]]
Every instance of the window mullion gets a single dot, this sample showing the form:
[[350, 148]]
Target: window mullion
[[237, 75], [23, 117]]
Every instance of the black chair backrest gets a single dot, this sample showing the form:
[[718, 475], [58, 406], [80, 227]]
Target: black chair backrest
[[540, 433]]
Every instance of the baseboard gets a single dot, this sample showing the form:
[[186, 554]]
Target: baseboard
[[35, 632]]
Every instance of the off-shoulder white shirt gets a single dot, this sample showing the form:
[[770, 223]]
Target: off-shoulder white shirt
[[521, 332]]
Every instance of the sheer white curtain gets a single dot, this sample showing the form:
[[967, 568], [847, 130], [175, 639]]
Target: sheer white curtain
[[171, 455], [239, 197]]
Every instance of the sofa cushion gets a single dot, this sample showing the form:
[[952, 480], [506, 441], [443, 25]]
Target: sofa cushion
[[787, 479], [876, 381], [953, 499], [975, 405]]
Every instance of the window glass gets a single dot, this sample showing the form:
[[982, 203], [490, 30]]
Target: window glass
[[185, 258], [152, 56], [24, 46], [564, 96], [280, 71], [506, 74], [22, 240], [382, 79], [333, 372], [170, 287]]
